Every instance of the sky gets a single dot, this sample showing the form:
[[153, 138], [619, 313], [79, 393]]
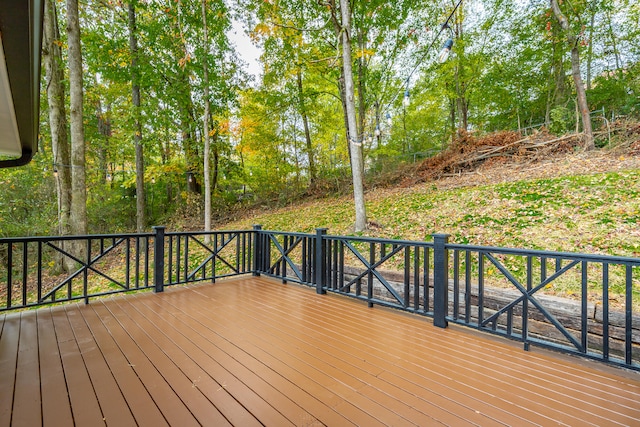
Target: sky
[[246, 49]]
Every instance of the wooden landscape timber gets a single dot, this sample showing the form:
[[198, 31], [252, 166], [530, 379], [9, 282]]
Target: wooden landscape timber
[[565, 310]]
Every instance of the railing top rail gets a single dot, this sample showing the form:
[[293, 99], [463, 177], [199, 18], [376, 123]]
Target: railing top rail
[[547, 254], [287, 233], [72, 237], [204, 233], [380, 240]]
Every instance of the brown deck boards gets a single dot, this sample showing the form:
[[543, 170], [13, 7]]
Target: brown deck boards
[[250, 351]]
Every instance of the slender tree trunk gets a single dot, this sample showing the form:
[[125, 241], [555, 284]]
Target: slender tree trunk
[[207, 143], [590, 49], [614, 43], [362, 95], [52, 54], [141, 220], [355, 143], [307, 132], [577, 78], [78, 215]]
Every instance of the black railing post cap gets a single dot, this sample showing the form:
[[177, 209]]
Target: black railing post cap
[[159, 227], [441, 236]]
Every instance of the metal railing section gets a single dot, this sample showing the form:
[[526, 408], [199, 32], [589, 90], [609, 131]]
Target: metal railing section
[[44, 270], [198, 256], [510, 292]]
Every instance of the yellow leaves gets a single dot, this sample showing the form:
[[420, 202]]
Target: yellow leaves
[[261, 30], [182, 62], [365, 53]]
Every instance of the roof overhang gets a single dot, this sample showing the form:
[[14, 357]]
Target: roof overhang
[[20, 53]]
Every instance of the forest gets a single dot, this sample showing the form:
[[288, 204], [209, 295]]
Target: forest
[[149, 116]]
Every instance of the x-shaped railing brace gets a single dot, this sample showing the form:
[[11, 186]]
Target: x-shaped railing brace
[[214, 254], [528, 295], [371, 268], [85, 266], [284, 255]]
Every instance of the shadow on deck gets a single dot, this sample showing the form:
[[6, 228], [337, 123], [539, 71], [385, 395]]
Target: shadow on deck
[[251, 351]]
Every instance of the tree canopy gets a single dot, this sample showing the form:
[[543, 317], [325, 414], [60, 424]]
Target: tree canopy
[[284, 133]]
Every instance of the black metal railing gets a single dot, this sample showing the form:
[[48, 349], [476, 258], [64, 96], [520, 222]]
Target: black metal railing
[[510, 292], [44, 270], [193, 257]]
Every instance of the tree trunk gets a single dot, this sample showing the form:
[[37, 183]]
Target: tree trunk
[[141, 220], [307, 132], [355, 143], [362, 96], [78, 214], [577, 78], [52, 54], [590, 49], [207, 144]]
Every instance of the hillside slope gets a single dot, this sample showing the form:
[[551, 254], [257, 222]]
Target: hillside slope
[[567, 201]]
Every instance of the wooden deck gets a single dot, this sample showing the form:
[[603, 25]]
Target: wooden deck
[[251, 351]]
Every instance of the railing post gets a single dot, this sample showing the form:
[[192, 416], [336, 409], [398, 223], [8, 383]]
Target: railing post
[[319, 261], [440, 280], [158, 258], [257, 249]]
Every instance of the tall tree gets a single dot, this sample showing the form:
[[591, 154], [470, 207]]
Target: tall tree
[[52, 53], [137, 134], [205, 119], [78, 214], [355, 143], [574, 42]]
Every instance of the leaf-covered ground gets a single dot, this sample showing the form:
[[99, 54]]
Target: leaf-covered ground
[[585, 202]]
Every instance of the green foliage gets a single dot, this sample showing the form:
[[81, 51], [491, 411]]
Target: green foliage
[[28, 201], [501, 74], [560, 120]]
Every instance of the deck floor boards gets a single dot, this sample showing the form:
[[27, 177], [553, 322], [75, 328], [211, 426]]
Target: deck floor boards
[[251, 351]]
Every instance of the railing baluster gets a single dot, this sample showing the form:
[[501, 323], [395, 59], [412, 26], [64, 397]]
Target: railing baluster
[[85, 282], [480, 288], [9, 274], [336, 260], [146, 262], [214, 259], [39, 272], [341, 279], [628, 344], [467, 286], [137, 263], [525, 303], [605, 311], [427, 281], [187, 266], [372, 260], [407, 276], [25, 272], [416, 278], [583, 308], [456, 283], [128, 264]]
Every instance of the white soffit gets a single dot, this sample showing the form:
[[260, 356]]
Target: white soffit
[[9, 136]]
